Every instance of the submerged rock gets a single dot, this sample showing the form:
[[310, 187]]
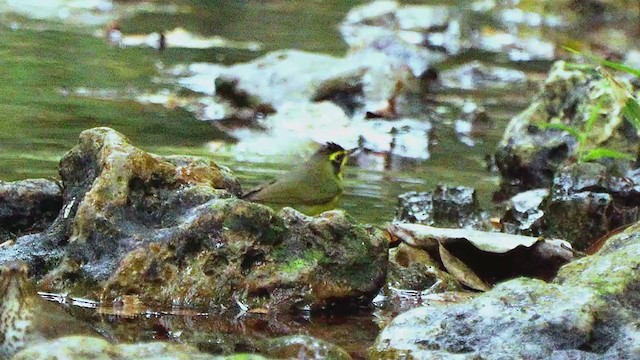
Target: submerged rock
[[416, 36], [529, 154], [322, 98], [476, 75], [171, 231], [25, 318], [28, 206], [590, 309], [424, 35], [253, 331]]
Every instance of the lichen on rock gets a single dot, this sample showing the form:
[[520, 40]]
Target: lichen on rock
[[245, 252], [172, 231], [529, 154], [590, 308], [84, 347]]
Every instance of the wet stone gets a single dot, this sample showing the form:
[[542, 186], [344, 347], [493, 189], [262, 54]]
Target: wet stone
[[590, 307], [580, 218], [171, 231], [588, 200], [475, 75], [444, 207], [28, 206], [524, 213], [373, 29], [357, 83], [529, 155]]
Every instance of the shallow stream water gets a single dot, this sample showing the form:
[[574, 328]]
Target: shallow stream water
[[46, 64]]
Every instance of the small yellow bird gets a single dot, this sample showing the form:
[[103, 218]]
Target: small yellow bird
[[312, 188]]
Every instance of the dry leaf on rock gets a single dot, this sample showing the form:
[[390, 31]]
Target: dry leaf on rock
[[491, 256], [461, 271]]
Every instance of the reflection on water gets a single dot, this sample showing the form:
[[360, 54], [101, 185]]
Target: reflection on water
[[229, 331], [60, 82]]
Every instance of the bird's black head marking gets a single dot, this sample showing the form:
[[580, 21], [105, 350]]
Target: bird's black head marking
[[330, 148]]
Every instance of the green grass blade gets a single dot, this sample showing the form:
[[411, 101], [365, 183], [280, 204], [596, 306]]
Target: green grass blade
[[560, 126], [632, 113], [618, 66], [601, 153], [604, 62]]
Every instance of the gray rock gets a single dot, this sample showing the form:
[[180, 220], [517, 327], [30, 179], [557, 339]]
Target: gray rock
[[524, 213], [171, 231], [591, 306], [439, 32], [476, 75], [357, 83], [418, 36], [85, 348], [529, 155], [444, 207], [300, 88], [585, 202], [588, 200], [28, 206]]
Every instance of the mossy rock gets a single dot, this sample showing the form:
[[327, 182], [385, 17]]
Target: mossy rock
[[529, 154], [171, 231]]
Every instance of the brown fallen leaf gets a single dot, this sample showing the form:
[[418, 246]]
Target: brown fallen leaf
[[461, 271], [492, 256]]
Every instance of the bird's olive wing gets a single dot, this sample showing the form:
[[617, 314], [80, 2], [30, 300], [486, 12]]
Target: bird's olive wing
[[297, 188]]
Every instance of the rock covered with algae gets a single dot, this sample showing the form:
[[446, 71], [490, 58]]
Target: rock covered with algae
[[85, 347], [529, 154], [590, 310], [171, 231]]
